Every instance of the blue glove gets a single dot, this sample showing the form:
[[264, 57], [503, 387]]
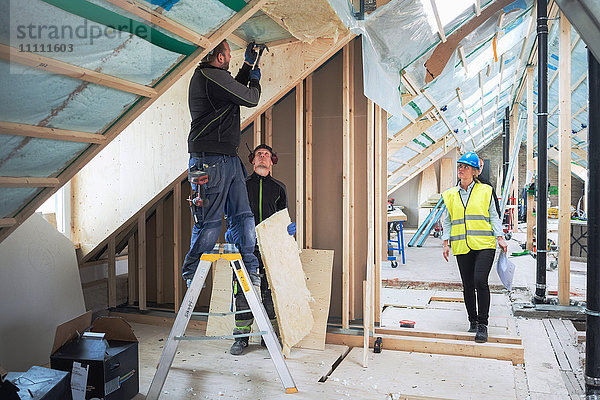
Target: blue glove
[[255, 74], [250, 54], [292, 228]]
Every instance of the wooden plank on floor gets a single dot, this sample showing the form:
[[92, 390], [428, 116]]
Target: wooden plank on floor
[[563, 363], [567, 343], [447, 335], [447, 299], [498, 351]]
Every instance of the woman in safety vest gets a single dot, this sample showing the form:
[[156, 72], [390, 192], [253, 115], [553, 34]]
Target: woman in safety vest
[[471, 227]]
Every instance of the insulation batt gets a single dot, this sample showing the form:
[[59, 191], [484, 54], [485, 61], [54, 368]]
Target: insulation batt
[[281, 257]]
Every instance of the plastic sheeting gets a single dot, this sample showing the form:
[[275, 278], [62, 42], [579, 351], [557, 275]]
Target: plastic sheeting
[[401, 36]]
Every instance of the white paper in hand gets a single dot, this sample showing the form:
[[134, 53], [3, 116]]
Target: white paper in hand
[[506, 270]]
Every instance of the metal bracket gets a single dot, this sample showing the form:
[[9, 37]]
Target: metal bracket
[[540, 286]]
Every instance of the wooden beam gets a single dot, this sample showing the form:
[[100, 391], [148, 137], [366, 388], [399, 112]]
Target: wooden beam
[[447, 335], [160, 251], [126, 119], [381, 204], [407, 134], [72, 71], [438, 21], [403, 170], [351, 215], [141, 259], [7, 222], [131, 269], [177, 246], [378, 195], [257, 131], [12, 181], [149, 15], [42, 132], [477, 7], [446, 150], [336, 46], [269, 127], [238, 41], [309, 163], [112, 274], [498, 351], [346, 160], [564, 166], [369, 296], [463, 59], [300, 164]]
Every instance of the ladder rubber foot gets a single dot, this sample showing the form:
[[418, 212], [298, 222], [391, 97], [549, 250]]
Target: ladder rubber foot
[[291, 390]]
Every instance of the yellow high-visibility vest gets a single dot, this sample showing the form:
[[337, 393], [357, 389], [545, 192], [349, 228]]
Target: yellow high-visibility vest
[[471, 227]]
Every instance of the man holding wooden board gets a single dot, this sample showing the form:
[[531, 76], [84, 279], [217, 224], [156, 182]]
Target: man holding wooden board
[[267, 195]]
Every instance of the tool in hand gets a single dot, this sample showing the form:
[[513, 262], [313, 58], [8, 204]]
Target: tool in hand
[[261, 47], [198, 198]]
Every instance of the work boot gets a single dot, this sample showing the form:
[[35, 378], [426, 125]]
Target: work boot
[[472, 327], [238, 346], [481, 336]]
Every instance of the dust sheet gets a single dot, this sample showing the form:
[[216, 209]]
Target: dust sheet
[[287, 281]]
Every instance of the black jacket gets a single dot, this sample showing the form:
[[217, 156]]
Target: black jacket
[[267, 196], [215, 99]]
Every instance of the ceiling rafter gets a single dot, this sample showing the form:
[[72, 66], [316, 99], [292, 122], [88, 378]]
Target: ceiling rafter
[[22, 181], [43, 132], [7, 222], [190, 62], [438, 20], [51, 65]]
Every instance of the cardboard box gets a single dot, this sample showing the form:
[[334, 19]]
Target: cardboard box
[[40, 384], [112, 358]]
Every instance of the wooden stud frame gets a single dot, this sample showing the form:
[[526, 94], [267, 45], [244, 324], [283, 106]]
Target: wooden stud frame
[[346, 199], [564, 170], [300, 164], [309, 163]]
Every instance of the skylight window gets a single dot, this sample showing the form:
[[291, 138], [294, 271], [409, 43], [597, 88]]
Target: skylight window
[[447, 11]]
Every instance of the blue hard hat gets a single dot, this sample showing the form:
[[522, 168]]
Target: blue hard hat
[[471, 159]]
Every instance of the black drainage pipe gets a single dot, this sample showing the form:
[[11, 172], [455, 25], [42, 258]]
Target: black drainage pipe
[[542, 164], [592, 347]]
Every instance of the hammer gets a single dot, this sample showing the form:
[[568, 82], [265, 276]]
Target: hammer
[[262, 47]]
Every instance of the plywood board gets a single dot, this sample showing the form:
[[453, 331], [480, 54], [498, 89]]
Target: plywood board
[[446, 174], [40, 289], [291, 297], [317, 266], [427, 187], [220, 302]]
